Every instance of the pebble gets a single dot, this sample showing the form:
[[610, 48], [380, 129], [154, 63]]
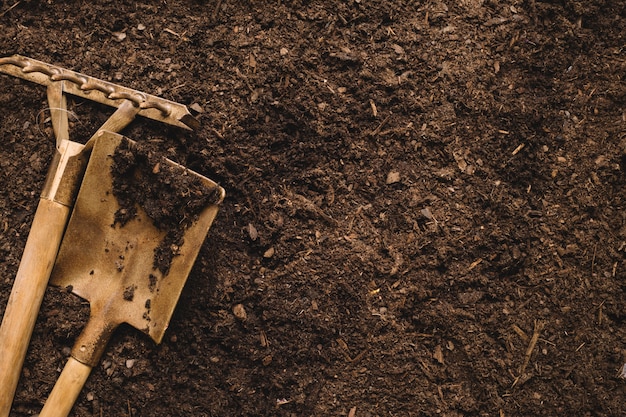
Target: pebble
[[269, 253], [393, 177], [240, 312]]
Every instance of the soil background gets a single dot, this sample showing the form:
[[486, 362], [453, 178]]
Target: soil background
[[416, 192]]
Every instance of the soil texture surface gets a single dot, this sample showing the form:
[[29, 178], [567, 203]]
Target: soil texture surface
[[424, 212]]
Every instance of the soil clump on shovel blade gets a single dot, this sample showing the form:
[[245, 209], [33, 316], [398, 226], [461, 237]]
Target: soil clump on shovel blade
[[171, 198]]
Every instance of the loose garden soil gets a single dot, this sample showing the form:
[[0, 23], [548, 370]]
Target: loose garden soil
[[425, 209]]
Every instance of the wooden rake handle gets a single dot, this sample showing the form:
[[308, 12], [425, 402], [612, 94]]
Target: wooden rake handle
[[37, 261], [27, 293], [40, 253]]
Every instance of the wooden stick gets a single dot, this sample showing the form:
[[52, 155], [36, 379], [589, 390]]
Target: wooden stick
[[539, 325], [27, 293], [42, 247], [37, 260], [10, 8]]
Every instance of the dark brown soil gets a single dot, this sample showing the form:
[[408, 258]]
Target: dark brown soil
[[424, 212]]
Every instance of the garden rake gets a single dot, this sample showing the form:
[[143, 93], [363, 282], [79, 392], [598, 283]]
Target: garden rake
[[59, 194]]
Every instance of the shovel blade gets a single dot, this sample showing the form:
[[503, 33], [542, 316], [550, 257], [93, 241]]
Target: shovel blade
[[112, 266]]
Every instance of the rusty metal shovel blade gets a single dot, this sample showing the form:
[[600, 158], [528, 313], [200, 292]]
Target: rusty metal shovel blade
[[113, 266]]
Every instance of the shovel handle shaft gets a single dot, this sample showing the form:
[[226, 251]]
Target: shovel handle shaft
[[85, 355], [66, 389], [27, 294]]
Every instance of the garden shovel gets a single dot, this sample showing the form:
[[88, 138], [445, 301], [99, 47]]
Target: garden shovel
[[59, 192], [114, 266]]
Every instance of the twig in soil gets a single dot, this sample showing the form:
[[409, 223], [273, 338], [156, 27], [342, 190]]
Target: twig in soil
[[593, 259], [300, 202], [10, 8], [520, 333], [600, 315], [539, 325], [474, 264], [374, 109], [216, 11], [73, 116], [380, 126], [171, 32], [358, 357], [518, 149], [440, 392], [216, 132]]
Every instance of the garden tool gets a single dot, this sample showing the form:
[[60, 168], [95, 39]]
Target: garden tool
[[115, 265], [59, 192]]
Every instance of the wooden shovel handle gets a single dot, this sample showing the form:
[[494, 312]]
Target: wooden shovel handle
[[27, 293], [86, 354], [66, 389]]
